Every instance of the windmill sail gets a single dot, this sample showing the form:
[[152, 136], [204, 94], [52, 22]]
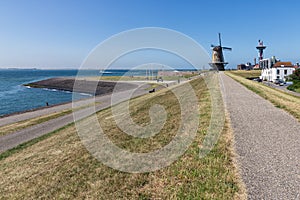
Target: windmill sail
[[218, 61]]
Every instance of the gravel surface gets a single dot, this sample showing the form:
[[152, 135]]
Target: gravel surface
[[267, 141]]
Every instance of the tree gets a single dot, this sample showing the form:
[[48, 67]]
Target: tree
[[296, 75]]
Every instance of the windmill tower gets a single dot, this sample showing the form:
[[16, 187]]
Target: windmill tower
[[218, 61]]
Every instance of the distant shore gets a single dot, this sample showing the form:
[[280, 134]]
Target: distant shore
[[82, 85]]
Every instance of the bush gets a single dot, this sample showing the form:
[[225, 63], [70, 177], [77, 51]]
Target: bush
[[295, 75]]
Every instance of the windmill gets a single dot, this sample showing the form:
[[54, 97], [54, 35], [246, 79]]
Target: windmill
[[218, 57]]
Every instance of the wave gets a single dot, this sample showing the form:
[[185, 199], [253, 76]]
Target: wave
[[13, 90], [86, 94], [48, 89], [105, 72]]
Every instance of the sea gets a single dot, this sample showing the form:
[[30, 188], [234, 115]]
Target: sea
[[15, 98]]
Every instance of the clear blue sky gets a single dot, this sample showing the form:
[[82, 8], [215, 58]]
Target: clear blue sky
[[61, 33]]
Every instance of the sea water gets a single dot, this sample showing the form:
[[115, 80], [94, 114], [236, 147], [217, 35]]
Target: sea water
[[14, 97]]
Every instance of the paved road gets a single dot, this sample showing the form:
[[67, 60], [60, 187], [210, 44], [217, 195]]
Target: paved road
[[49, 110], [12, 140], [267, 141], [283, 88]]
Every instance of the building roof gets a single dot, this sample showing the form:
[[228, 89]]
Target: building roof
[[256, 66], [284, 64]]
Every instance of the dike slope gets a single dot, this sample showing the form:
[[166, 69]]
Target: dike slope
[[82, 85]]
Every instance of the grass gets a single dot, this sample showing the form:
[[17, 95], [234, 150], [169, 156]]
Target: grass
[[279, 98], [127, 78], [153, 86], [247, 74], [187, 76], [23, 146], [117, 78], [58, 166], [138, 78], [10, 128], [7, 129]]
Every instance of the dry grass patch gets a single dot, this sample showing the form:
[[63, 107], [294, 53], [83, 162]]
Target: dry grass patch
[[279, 98], [60, 167], [247, 74], [229, 137]]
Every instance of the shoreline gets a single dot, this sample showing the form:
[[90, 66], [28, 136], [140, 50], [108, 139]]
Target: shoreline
[[39, 111], [34, 109], [56, 83], [29, 133]]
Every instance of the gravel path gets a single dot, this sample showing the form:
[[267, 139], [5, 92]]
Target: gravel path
[[267, 141], [12, 140]]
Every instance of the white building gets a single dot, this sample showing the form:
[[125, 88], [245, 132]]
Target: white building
[[273, 69]]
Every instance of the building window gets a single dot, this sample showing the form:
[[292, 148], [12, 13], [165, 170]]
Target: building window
[[285, 72], [278, 71]]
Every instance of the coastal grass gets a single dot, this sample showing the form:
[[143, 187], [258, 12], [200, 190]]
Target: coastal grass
[[10, 128], [138, 78], [13, 127], [115, 78], [58, 166], [23, 146], [247, 74], [279, 98], [153, 86]]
